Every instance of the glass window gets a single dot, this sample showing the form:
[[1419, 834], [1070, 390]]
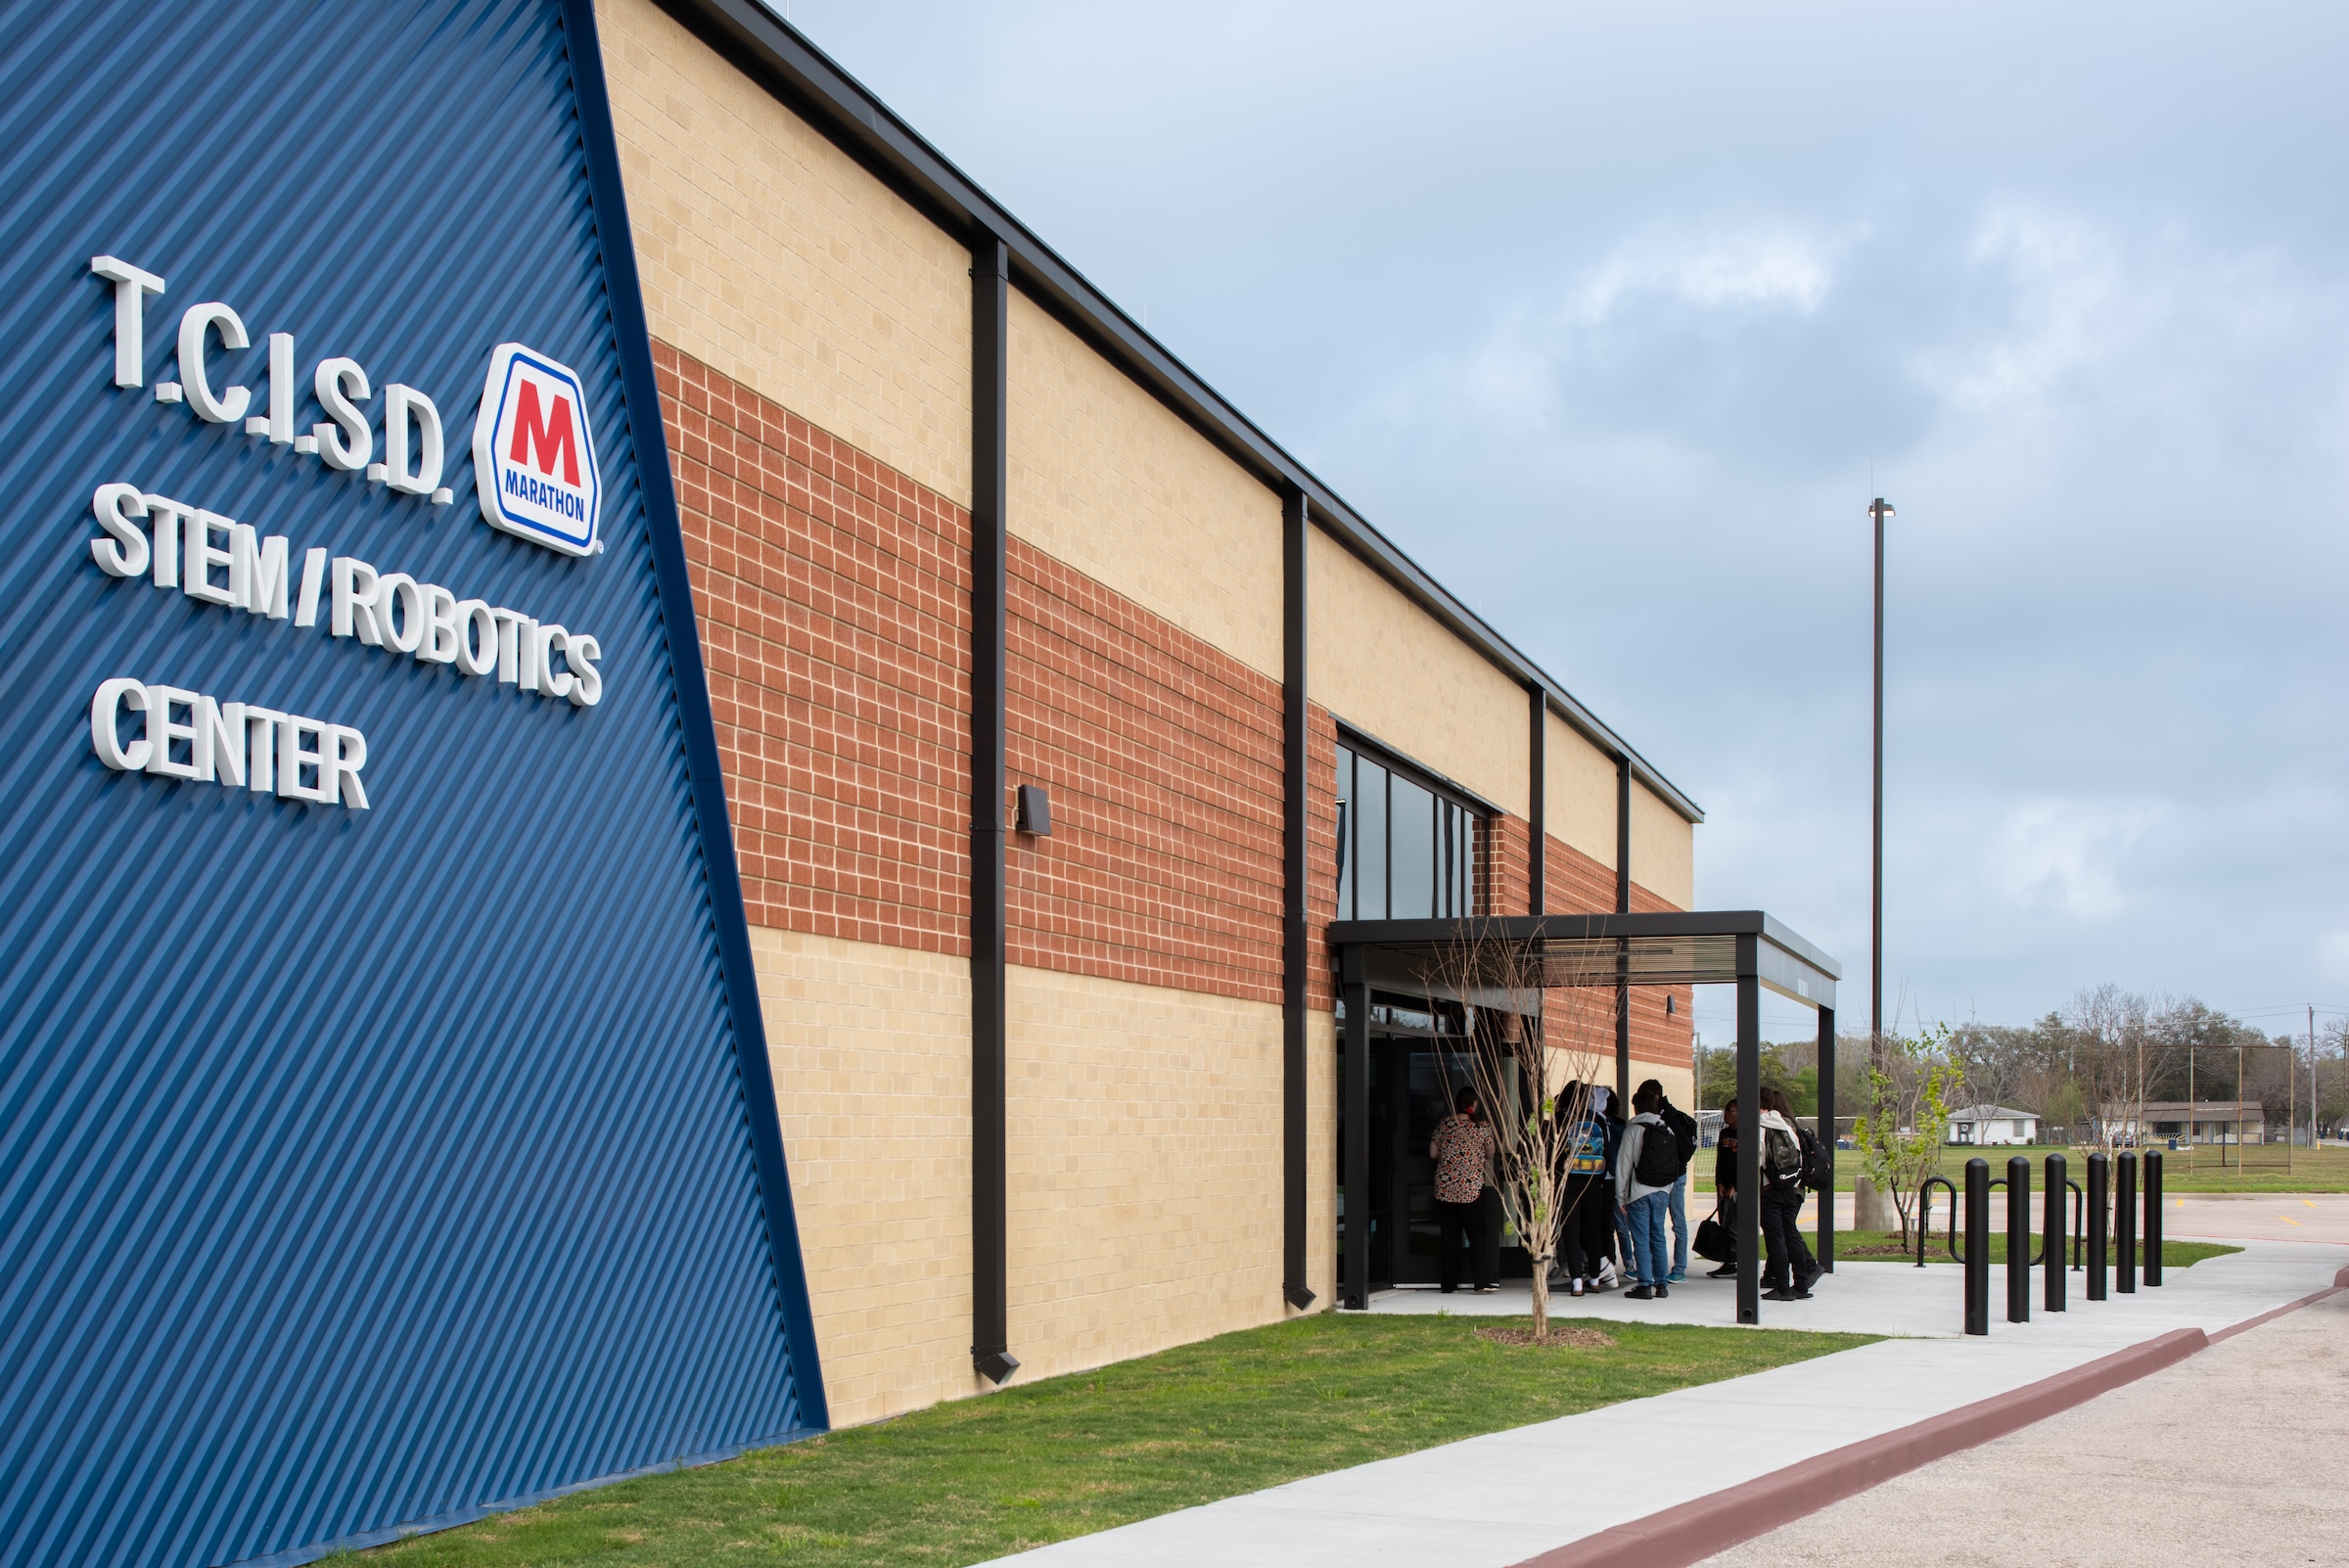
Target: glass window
[[1345, 833], [1404, 852], [1412, 865], [1370, 841]]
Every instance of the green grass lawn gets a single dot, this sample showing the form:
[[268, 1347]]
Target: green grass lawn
[[2321, 1169], [962, 1482], [1864, 1244]]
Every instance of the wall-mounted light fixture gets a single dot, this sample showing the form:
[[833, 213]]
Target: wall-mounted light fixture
[[1670, 1002], [1036, 811]]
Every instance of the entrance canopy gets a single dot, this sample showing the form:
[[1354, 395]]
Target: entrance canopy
[[1603, 949], [1517, 955]]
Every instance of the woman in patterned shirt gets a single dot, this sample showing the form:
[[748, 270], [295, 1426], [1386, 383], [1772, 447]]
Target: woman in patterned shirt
[[1463, 1148]]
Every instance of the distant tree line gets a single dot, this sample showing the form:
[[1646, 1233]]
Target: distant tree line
[[2110, 1050]]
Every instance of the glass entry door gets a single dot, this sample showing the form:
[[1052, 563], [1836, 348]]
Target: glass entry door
[[1407, 1099]]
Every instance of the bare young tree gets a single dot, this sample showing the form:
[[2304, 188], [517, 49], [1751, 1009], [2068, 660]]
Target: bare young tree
[[1535, 1024]]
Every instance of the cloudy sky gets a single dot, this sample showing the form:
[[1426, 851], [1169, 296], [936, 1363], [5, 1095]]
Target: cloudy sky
[[1616, 320]]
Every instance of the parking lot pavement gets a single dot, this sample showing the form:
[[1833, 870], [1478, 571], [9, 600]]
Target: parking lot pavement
[[2232, 1456]]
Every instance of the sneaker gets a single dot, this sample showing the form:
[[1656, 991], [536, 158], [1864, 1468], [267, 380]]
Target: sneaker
[[1663, 1291], [1802, 1286], [1677, 1277], [1488, 1290], [1641, 1293], [1782, 1293], [1575, 1288], [1724, 1271]]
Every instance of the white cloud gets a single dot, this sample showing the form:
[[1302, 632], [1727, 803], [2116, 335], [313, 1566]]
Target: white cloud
[[1768, 264], [2066, 854]]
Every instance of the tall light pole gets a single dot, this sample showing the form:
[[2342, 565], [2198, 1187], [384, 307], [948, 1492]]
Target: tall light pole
[[1877, 510]]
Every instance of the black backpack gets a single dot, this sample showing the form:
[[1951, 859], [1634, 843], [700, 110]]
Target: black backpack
[[1815, 1175], [1684, 1130], [1783, 1162], [1661, 1161]]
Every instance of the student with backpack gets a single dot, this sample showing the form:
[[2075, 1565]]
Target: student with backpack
[[1647, 1165], [1682, 1127], [1786, 1161]]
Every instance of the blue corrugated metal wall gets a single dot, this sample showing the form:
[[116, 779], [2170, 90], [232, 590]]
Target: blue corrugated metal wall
[[356, 1168]]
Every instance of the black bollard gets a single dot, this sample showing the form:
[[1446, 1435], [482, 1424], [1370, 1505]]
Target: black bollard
[[1976, 1261], [2050, 1234], [2152, 1216], [2099, 1222], [2018, 1240], [2124, 1214]]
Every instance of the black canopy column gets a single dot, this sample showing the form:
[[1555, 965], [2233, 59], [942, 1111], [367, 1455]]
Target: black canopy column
[[1749, 1130], [1827, 1137], [1354, 1272]]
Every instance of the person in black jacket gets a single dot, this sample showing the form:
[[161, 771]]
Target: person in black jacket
[[1790, 1271], [1682, 1127], [1724, 1185]]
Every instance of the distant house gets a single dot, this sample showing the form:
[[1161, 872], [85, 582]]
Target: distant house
[[1992, 1125], [2190, 1122]]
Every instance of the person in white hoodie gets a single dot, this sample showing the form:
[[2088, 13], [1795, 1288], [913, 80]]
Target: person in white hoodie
[[1642, 1192], [1792, 1271]]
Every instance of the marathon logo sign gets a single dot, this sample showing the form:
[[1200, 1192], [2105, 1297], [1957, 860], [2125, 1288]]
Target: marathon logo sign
[[533, 457]]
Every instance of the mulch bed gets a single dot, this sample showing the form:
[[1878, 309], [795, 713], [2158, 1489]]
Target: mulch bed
[[1559, 1335]]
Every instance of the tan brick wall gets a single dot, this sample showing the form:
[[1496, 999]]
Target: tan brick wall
[[1106, 478], [767, 253], [1580, 794], [1379, 662], [1663, 849], [1321, 1159], [871, 1050], [1144, 1168]]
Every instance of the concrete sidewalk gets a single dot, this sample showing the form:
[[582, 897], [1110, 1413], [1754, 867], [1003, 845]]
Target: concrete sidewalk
[[1497, 1501]]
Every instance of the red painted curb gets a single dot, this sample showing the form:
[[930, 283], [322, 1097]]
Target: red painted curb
[[1697, 1530]]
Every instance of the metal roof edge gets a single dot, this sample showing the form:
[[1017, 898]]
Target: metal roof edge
[[777, 55]]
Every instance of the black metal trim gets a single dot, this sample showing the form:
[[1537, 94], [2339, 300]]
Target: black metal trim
[[704, 770], [991, 359], [1749, 1128], [1362, 743], [776, 56], [1296, 855], [1354, 1288], [1623, 906], [1537, 815], [1827, 1137]]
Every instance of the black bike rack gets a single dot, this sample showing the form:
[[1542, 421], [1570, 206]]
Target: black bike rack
[[2087, 1232]]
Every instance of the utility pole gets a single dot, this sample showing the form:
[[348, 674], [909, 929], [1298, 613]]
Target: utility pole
[[1877, 511]]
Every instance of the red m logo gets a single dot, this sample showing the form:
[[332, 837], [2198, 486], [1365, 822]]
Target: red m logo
[[542, 436]]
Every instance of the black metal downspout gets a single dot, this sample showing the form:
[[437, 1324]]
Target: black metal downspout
[[991, 343], [1623, 906], [1537, 815], [1295, 763], [1749, 1131]]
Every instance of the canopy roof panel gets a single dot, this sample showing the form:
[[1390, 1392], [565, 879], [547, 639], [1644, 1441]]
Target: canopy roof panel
[[1698, 947]]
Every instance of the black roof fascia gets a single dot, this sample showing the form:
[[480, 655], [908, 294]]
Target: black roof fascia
[[1583, 927], [773, 53]]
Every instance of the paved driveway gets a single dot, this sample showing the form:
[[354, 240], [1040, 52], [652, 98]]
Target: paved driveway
[[2232, 1456]]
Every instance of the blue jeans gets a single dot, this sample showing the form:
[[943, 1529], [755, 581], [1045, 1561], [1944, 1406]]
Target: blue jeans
[[1680, 1227], [1644, 1219]]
